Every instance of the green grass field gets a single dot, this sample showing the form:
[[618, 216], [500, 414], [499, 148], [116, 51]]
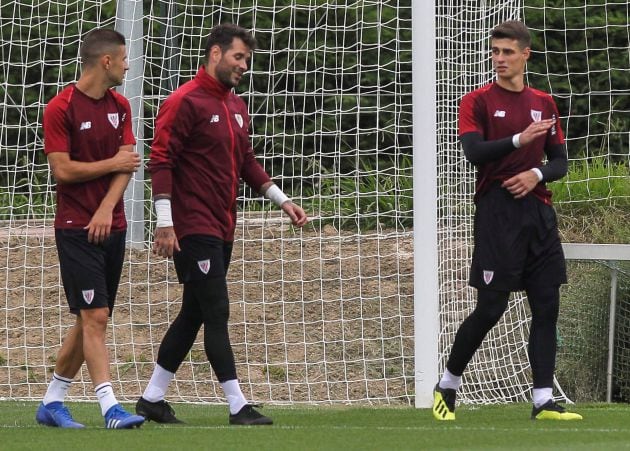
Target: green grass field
[[605, 427]]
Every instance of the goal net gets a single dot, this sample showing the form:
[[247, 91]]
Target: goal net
[[323, 314], [580, 57]]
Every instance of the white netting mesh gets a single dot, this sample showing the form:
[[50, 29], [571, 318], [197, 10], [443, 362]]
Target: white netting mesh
[[320, 315], [324, 314], [576, 57]]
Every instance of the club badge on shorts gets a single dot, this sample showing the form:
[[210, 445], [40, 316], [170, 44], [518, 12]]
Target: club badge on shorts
[[487, 276], [88, 296], [204, 266]]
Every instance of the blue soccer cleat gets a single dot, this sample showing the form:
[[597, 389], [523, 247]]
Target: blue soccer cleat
[[55, 414], [118, 418]]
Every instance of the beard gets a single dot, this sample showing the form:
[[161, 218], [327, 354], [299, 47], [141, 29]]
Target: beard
[[224, 75]]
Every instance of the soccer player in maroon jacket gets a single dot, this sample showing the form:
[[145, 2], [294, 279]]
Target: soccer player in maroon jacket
[[506, 129], [89, 144], [200, 151]]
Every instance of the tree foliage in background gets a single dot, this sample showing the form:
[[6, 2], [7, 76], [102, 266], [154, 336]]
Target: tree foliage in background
[[38, 60], [580, 55], [323, 85], [330, 92]]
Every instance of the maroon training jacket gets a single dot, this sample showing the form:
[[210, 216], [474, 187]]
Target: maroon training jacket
[[200, 151]]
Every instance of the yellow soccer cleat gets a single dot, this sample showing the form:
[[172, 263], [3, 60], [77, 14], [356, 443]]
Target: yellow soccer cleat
[[444, 403], [553, 411]]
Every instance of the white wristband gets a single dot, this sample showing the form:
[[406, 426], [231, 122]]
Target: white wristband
[[163, 213], [516, 140], [275, 195], [538, 172]]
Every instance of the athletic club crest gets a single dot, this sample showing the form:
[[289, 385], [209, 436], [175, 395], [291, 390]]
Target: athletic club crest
[[487, 276], [88, 296], [113, 119], [536, 115], [204, 266], [239, 119]]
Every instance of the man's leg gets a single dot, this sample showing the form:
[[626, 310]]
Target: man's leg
[[94, 349], [97, 359], [52, 411], [544, 302], [175, 345], [212, 296], [69, 361], [490, 307]]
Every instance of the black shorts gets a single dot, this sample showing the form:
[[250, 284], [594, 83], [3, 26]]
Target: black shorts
[[517, 245], [202, 257], [90, 272]]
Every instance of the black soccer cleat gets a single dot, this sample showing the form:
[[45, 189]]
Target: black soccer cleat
[[248, 416], [444, 403], [553, 411], [160, 411]]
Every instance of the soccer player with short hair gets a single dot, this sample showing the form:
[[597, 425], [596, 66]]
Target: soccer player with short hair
[[506, 128], [200, 151], [89, 145]]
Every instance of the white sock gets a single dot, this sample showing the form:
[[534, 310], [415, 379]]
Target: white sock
[[57, 389], [234, 395], [449, 380], [158, 384], [541, 395], [105, 395]]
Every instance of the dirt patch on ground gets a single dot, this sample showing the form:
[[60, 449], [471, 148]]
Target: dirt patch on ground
[[316, 316]]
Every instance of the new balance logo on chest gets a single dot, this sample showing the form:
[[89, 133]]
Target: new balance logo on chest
[[499, 113], [214, 118], [85, 125]]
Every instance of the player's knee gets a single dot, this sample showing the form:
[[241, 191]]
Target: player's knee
[[96, 318], [486, 317], [544, 303], [491, 306], [218, 315]]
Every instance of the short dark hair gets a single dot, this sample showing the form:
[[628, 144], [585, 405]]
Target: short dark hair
[[99, 42], [223, 35], [513, 29]]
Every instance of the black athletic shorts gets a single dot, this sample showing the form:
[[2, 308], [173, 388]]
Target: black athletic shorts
[[90, 272], [201, 257], [516, 243]]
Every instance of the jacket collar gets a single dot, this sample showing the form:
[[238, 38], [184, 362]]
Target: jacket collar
[[211, 84]]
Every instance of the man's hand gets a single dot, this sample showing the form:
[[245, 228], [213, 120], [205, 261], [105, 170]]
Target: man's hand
[[165, 242], [535, 130], [100, 226], [521, 184], [297, 215], [126, 161]]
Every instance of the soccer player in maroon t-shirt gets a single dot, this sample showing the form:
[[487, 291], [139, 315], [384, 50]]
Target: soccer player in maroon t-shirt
[[89, 144], [506, 129], [200, 151]]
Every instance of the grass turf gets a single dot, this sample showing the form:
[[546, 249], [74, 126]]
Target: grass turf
[[326, 428]]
